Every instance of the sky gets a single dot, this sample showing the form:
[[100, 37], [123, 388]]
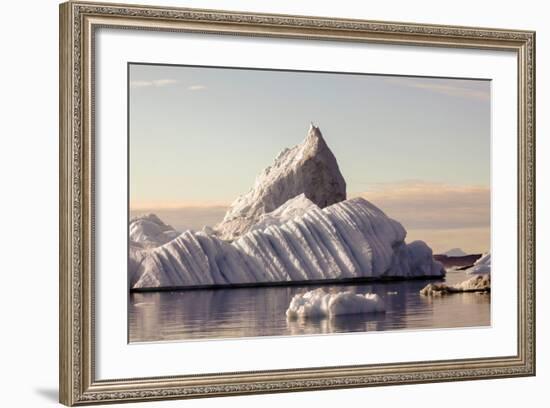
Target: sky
[[417, 147]]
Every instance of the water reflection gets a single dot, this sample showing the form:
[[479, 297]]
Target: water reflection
[[336, 324], [251, 312]]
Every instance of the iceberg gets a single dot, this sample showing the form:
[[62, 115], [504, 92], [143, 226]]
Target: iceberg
[[481, 266], [318, 304], [309, 168], [479, 283], [294, 225], [347, 240]]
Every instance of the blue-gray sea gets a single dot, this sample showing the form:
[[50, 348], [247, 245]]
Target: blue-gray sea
[[260, 311]]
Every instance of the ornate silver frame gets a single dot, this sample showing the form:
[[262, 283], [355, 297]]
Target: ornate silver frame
[[78, 22]]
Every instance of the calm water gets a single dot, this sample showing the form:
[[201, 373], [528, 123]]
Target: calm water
[[250, 312]]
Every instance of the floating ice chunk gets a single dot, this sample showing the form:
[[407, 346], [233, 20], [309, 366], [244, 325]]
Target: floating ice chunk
[[479, 283], [475, 283], [318, 303]]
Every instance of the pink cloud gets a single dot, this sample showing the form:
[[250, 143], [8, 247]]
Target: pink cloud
[[418, 204]]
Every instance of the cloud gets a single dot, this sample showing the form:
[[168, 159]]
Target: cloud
[[418, 204], [445, 216], [140, 205], [470, 240], [449, 87], [158, 83], [153, 83]]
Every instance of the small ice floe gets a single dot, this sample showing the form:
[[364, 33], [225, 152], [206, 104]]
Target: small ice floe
[[478, 283], [318, 303]]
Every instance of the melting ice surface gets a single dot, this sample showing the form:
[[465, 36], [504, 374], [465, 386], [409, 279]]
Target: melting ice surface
[[251, 312]]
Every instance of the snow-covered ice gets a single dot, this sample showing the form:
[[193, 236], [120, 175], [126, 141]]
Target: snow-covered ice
[[293, 208], [481, 266], [319, 303], [350, 239], [308, 168], [149, 231], [478, 283]]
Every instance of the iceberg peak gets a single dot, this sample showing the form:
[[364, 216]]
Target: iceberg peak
[[308, 168], [314, 139], [314, 131]]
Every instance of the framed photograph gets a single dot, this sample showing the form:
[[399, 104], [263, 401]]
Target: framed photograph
[[256, 203]]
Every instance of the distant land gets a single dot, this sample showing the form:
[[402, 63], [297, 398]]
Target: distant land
[[455, 252], [460, 261]]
